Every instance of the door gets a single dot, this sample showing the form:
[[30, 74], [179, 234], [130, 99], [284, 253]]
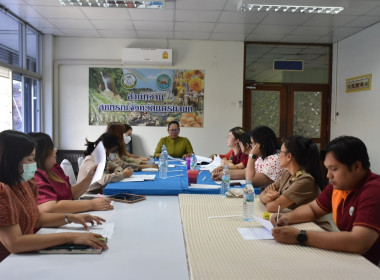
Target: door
[[289, 110]]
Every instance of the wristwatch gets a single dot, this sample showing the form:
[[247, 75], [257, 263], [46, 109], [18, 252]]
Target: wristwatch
[[253, 156], [302, 237]]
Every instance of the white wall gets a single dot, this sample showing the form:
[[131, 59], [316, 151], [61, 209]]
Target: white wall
[[359, 112], [223, 62]]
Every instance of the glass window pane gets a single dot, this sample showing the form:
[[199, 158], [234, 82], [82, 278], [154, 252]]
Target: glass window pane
[[31, 49], [266, 109], [18, 103], [10, 40], [6, 99], [307, 113]]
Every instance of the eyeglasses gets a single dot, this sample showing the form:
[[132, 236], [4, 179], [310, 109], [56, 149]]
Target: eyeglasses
[[174, 130]]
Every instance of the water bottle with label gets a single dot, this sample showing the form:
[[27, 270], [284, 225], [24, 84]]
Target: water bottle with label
[[193, 161], [248, 202], [225, 184], [163, 163]]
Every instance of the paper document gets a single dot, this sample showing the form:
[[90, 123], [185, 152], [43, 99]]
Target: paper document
[[212, 165], [139, 178], [201, 159], [105, 229], [265, 223], [203, 186], [255, 233], [99, 154]]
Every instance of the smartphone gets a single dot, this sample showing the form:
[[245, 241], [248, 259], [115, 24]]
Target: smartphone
[[126, 197]]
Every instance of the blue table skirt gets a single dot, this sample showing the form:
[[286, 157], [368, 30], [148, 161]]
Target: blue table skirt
[[170, 186]]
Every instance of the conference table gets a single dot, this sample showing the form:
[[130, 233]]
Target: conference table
[[174, 184], [188, 237]]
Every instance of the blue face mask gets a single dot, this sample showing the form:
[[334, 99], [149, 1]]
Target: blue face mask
[[29, 170]]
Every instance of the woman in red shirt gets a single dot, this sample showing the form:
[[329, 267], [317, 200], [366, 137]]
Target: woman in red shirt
[[19, 215], [55, 193]]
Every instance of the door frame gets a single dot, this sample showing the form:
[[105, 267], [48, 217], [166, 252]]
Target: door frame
[[287, 107]]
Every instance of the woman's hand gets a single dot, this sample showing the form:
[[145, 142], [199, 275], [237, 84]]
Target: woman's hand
[[101, 204], [88, 238], [91, 172], [146, 159], [217, 170], [127, 172], [216, 176], [255, 150], [83, 219]]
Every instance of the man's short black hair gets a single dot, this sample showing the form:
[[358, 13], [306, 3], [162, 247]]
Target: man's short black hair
[[348, 150]]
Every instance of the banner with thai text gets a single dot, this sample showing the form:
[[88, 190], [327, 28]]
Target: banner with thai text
[[146, 97]]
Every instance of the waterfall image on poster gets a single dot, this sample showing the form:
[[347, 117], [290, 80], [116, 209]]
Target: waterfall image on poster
[[146, 97]]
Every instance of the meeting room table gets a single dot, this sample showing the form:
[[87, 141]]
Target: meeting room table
[[188, 237]]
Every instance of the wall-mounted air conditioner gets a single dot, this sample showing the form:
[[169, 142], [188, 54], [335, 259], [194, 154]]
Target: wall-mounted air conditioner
[[137, 56]]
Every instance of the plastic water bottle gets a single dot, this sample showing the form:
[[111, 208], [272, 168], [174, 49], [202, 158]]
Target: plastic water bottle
[[225, 185], [163, 163], [193, 161], [248, 202]]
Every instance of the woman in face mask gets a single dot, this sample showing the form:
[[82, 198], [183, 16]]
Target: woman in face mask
[[124, 132], [111, 174], [19, 214], [55, 193]]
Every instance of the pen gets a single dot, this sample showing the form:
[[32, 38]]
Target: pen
[[174, 176], [102, 239], [102, 196], [204, 178], [278, 213]]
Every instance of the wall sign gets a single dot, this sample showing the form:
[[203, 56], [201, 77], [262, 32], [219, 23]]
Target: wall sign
[[146, 97], [359, 83]]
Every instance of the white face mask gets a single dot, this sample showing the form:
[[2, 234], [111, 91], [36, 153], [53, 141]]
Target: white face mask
[[29, 170], [127, 139], [112, 156]]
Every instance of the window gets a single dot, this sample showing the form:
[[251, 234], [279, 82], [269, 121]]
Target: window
[[20, 68]]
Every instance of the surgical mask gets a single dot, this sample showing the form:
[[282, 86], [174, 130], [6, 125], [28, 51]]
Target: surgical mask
[[112, 156], [29, 170], [127, 139]]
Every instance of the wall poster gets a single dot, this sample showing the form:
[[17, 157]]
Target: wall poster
[[146, 97]]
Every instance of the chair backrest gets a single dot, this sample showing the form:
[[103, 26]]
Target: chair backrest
[[69, 171], [80, 161]]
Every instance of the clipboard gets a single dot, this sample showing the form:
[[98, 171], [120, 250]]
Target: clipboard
[[70, 249]]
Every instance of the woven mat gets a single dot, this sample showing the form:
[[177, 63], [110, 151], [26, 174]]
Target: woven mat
[[216, 250]]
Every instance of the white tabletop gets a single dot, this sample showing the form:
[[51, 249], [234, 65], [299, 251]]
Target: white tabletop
[[147, 243]]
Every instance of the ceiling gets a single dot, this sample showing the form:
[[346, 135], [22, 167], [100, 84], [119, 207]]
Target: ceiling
[[195, 20]]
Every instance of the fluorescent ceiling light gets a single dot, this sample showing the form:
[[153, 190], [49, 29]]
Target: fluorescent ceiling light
[[113, 4], [295, 7]]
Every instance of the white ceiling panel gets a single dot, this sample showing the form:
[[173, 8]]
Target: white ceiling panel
[[227, 36], [154, 35], [60, 12], [215, 5], [113, 24], [80, 32], [196, 16], [242, 17], [101, 13], [154, 26], [194, 35], [286, 19], [71, 23], [329, 20], [196, 19], [274, 29], [362, 21], [234, 27], [194, 26], [117, 33], [151, 14], [24, 11]]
